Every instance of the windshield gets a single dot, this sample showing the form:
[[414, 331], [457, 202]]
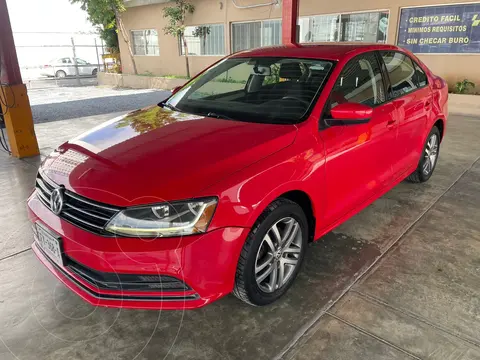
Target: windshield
[[269, 90]]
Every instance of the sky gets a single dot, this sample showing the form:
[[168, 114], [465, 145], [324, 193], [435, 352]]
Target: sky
[[47, 16], [49, 22]]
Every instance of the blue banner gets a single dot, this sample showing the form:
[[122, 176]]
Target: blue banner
[[440, 29]]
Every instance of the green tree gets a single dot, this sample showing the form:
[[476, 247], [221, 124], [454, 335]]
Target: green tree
[[176, 24], [106, 15]]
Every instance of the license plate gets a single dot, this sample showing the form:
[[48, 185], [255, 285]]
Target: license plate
[[50, 243]]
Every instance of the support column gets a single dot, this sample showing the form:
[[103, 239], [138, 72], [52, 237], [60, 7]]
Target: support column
[[289, 22], [13, 94]]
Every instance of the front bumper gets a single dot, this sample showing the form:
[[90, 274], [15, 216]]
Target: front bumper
[[205, 263]]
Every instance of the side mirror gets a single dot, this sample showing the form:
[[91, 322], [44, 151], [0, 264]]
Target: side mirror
[[350, 114], [175, 89]]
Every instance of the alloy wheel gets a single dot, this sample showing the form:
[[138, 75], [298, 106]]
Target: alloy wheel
[[431, 152], [278, 255]]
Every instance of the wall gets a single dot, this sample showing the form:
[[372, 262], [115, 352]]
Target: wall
[[169, 62], [138, 81], [451, 67]]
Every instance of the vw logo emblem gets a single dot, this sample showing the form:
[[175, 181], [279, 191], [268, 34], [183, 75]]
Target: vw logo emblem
[[56, 201]]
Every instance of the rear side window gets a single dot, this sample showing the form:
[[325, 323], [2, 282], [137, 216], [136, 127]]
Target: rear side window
[[420, 75], [360, 82], [401, 73]]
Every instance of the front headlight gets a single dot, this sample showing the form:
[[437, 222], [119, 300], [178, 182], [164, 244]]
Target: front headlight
[[164, 220]]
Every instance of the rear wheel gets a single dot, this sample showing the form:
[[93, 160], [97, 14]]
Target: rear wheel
[[272, 254], [60, 74], [94, 72], [428, 159]]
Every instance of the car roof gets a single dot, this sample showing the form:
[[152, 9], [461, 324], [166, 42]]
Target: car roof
[[327, 51]]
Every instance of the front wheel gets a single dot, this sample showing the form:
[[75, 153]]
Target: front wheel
[[272, 254], [428, 159]]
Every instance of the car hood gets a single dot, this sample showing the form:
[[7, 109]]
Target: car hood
[[154, 154]]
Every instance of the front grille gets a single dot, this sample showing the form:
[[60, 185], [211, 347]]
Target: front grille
[[126, 282], [82, 212]]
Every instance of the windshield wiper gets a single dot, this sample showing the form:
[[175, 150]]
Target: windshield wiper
[[219, 116], [169, 106]]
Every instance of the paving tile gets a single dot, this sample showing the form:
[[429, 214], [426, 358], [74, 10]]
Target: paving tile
[[337, 341], [403, 330], [435, 273], [17, 179]]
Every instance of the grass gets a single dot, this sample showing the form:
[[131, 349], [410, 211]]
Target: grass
[[150, 74], [174, 76]]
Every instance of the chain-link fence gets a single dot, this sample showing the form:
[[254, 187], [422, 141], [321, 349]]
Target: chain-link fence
[[59, 59]]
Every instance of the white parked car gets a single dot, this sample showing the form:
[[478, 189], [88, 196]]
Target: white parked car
[[63, 67]]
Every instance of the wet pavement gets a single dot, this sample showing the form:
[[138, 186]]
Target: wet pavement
[[400, 280]]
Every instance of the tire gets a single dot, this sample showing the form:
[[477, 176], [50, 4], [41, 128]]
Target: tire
[[424, 171], [61, 74], [256, 249], [94, 72]]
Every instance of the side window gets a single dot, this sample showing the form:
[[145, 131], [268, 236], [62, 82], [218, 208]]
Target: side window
[[420, 75], [360, 82], [401, 73], [66, 61]]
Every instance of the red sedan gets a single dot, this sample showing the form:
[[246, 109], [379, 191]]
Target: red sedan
[[219, 188]]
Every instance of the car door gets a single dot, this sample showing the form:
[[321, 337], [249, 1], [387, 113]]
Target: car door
[[59, 65], [358, 162], [411, 95], [67, 66], [83, 67]]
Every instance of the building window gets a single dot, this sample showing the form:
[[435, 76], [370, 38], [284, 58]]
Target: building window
[[145, 42], [254, 34], [204, 40], [362, 27], [319, 28]]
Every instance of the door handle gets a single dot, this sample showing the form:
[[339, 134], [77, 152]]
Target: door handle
[[390, 123], [427, 104]]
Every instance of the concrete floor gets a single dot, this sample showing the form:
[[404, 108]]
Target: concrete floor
[[400, 280]]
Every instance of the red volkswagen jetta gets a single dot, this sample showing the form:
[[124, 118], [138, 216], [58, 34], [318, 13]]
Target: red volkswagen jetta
[[219, 188]]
